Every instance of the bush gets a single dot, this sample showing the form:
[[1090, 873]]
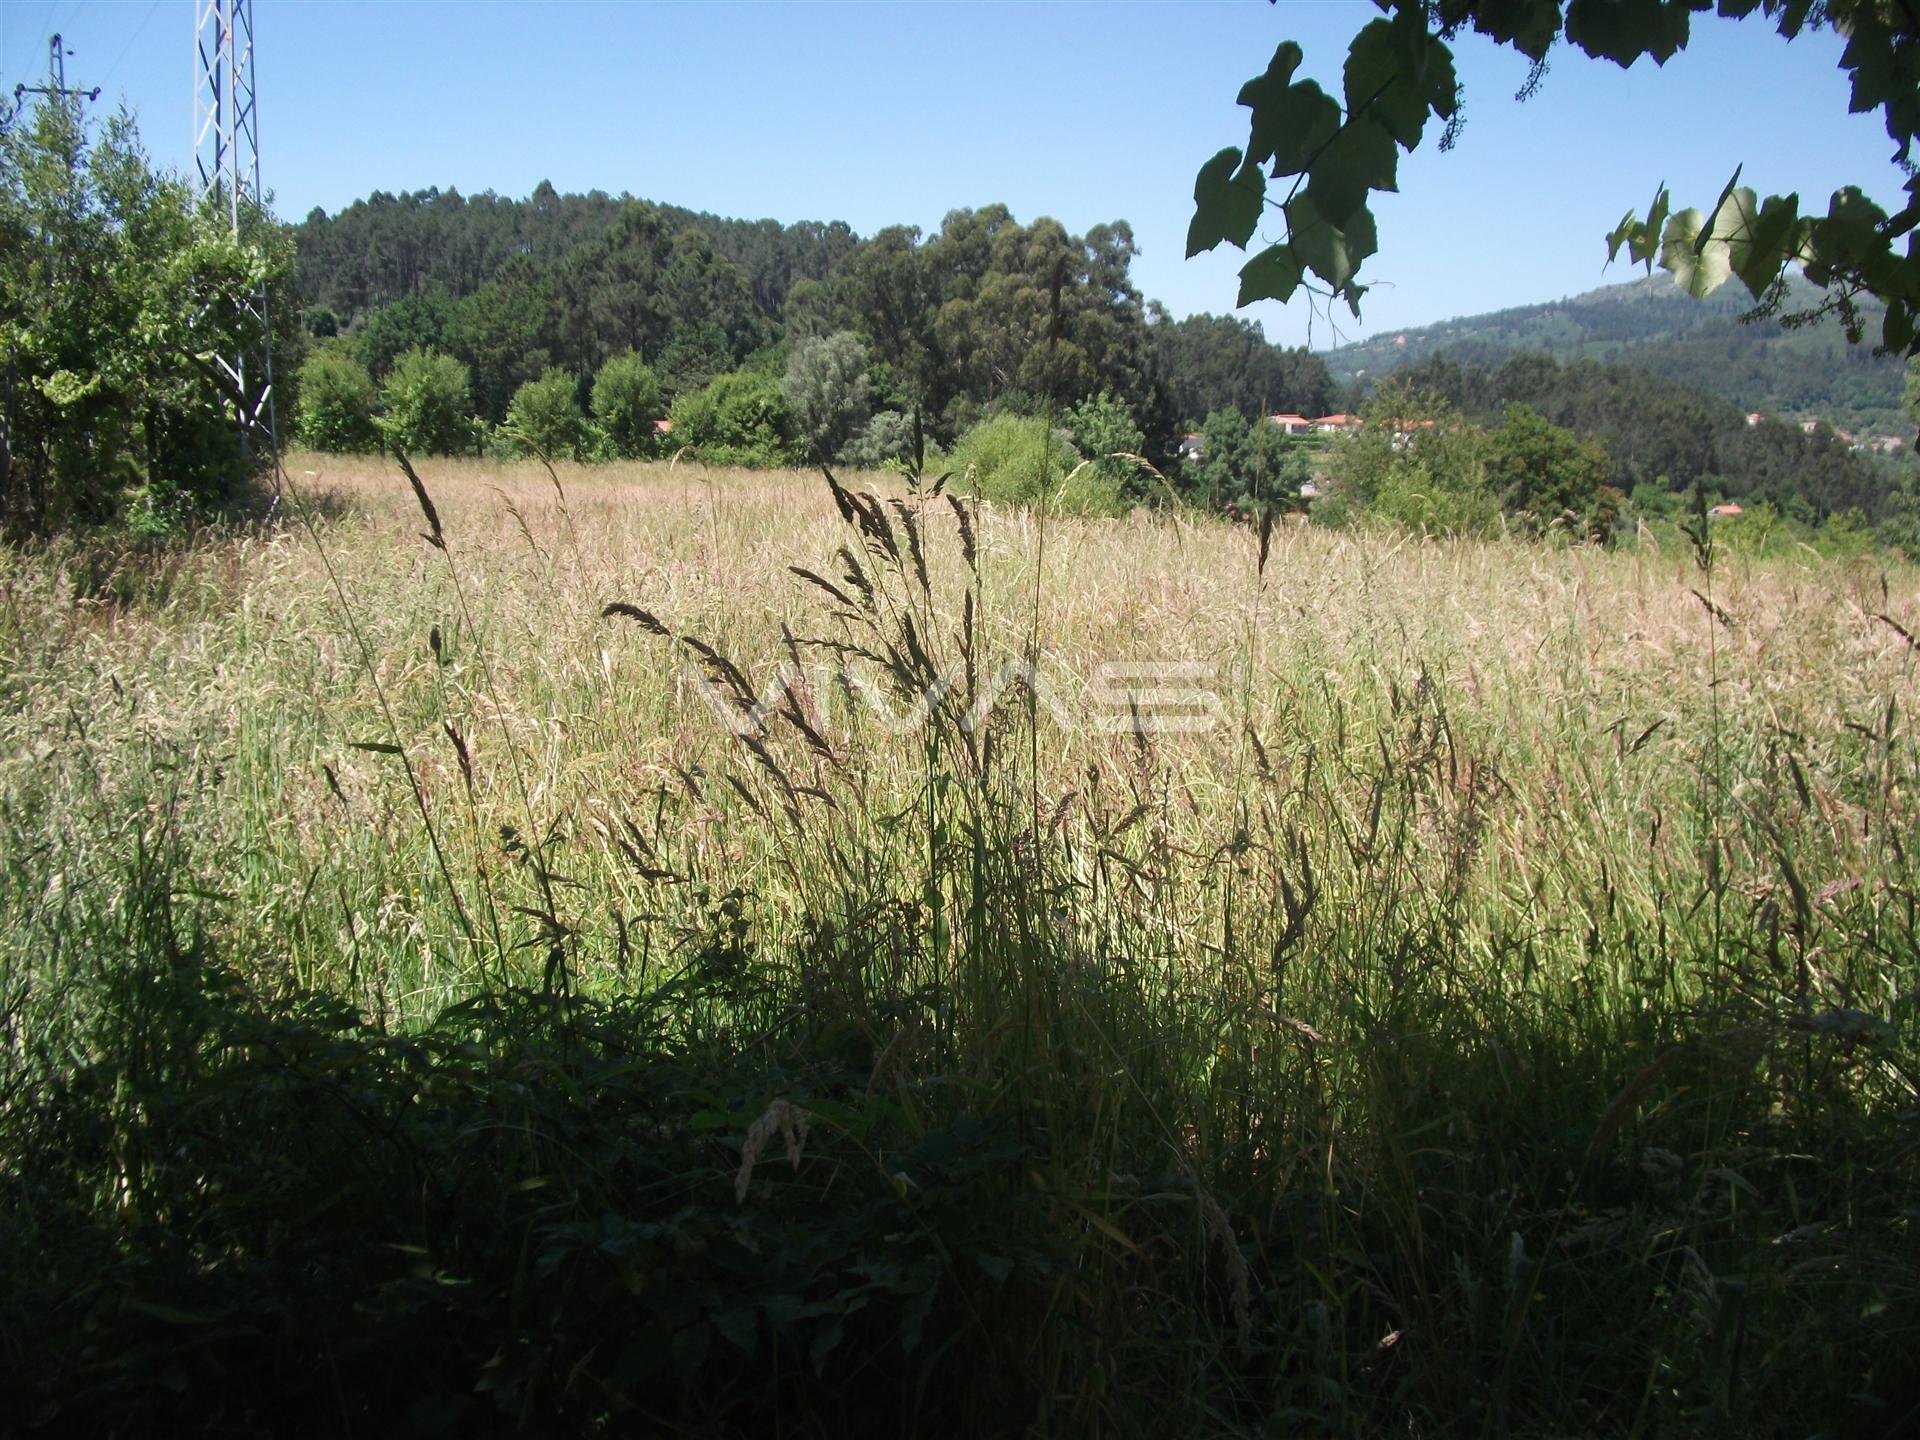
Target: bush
[[1017, 460], [544, 415], [1245, 466], [115, 291], [1545, 476], [826, 388], [888, 440], [338, 408], [1415, 463], [1435, 501], [428, 411], [739, 419], [626, 403], [1102, 427]]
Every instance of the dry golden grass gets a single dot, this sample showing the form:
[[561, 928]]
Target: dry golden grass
[[1553, 709]]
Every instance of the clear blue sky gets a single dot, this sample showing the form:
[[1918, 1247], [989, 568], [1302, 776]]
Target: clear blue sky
[[881, 113]]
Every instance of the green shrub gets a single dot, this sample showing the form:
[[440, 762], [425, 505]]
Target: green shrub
[[1019, 460], [1435, 501], [626, 403], [338, 408], [885, 439], [1415, 463], [116, 289], [544, 415], [1102, 428], [739, 419], [428, 411], [1547, 477], [1248, 466]]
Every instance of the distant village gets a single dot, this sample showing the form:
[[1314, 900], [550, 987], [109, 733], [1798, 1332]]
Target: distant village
[[1875, 444], [1192, 444]]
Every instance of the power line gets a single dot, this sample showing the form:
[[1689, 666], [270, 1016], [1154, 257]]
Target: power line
[[152, 6]]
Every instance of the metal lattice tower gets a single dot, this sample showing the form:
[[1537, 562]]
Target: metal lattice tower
[[226, 148]]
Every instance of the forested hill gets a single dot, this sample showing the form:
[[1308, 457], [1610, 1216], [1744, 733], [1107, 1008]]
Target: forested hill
[[984, 312], [1650, 324], [389, 247]]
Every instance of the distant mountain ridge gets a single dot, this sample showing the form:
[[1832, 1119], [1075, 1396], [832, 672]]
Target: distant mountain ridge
[[1649, 323]]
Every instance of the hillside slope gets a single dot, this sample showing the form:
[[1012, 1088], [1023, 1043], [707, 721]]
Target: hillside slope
[[1649, 323]]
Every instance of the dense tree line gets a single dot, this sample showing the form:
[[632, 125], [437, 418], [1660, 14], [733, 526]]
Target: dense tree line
[[1213, 362], [1663, 436], [388, 247], [983, 316], [769, 344]]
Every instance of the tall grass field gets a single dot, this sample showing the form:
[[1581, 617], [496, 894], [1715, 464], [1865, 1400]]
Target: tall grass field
[[660, 950]]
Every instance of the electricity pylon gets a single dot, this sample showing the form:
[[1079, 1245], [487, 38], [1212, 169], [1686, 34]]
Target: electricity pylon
[[226, 148]]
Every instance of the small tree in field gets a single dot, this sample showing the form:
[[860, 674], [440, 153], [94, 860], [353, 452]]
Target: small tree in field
[[337, 404], [1102, 427], [1415, 464], [1255, 467], [887, 437], [826, 388], [545, 415], [626, 403], [425, 398], [1544, 475]]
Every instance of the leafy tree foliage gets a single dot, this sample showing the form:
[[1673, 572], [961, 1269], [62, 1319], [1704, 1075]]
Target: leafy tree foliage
[[1212, 361], [504, 333], [115, 295], [885, 438], [989, 308], [1548, 476], [827, 389], [545, 414], [1246, 467], [338, 407], [1022, 460], [386, 247], [626, 403], [1667, 436], [983, 313], [419, 322], [1103, 430], [427, 405], [741, 418], [1332, 154], [1414, 463]]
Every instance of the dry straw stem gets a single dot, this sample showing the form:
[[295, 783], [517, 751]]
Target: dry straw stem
[[782, 1118], [1219, 1230]]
